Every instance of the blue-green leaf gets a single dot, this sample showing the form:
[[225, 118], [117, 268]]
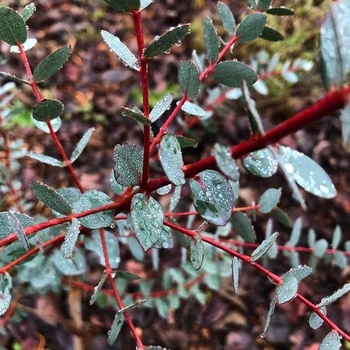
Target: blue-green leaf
[[6, 227], [196, 251], [45, 159], [316, 321], [193, 109], [225, 162], [271, 34], [261, 163], [120, 50], [136, 115], [12, 27], [170, 156], [226, 17], [18, 229], [128, 162], [307, 173], [93, 199], [27, 11], [147, 219], [116, 327], [71, 238], [69, 267], [287, 290], [242, 225], [5, 292], [161, 107], [263, 248], [269, 200], [280, 11], [81, 145], [55, 123], [331, 341]]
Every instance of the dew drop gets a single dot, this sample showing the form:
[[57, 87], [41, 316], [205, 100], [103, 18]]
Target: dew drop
[[289, 167], [324, 189]]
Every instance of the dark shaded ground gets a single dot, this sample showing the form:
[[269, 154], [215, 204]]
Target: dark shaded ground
[[93, 84]]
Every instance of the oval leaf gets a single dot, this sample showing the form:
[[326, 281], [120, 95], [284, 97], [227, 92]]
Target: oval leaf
[[243, 226], [231, 73], [51, 64], [170, 156], [264, 247], [162, 44], [331, 341], [307, 173], [261, 163], [225, 162], [6, 227], [161, 107], [188, 77], [193, 109], [135, 115], [211, 40], [147, 219], [51, 198], [71, 238], [287, 290], [18, 229], [280, 11], [269, 200], [93, 199], [271, 34], [197, 252], [81, 145], [69, 267], [128, 162], [251, 27], [212, 196], [120, 50], [226, 18], [5, 292], [116, 327], [27, 11], [316, 321], [47, 109], [124, 6], [12, 27]]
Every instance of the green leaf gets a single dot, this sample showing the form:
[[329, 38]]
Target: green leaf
[[81, 145], [94, 244], [251, 27], [281, 217], [98, 288], [242, 225], [193, 109], [27, 11], [47, 109], [185, 141], [269, 199], [212, 196], [271, 34], [188, 77], [265, 245], [165, 241], [12, 27], [45, 159], [269, 314], [260, 163], [126, 275], [316, 321], [162, 44], [120, 50], [280, 11], [51, 198], [335, 296], [331, 341], [128, 162], [196, 251], [300, 272], [287, 291], [225, 162], [51, 64], [93, 199], [231, 73], [6, 228], [340, 259], [307, 173], [170, 156], [11, 77], [161, 107], [335, 45], [5, 291], [147, 219], [296, 231], [69, 267], [336, 237], [345, 125], [116, 328], [226, 18], [71, 238], [263, 5], [135, 115], [211, 40], [18, 229], [124, 6]]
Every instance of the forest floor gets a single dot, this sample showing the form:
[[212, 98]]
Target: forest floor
[[93, 85]]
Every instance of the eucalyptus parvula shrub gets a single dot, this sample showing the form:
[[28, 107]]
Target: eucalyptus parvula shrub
[[41, 253]]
